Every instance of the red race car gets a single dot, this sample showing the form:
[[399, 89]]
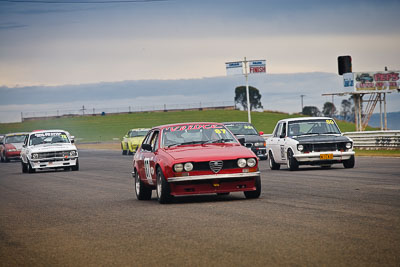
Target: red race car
[[194, 158], [10, 146]]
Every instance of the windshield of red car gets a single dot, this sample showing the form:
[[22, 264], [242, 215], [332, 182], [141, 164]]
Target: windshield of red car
[[14, 139], [196, 134]]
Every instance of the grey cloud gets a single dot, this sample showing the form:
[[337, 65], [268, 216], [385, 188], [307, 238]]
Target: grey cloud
[[8, 26]]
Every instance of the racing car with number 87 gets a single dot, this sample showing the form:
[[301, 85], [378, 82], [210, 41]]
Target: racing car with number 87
[[194, 158]]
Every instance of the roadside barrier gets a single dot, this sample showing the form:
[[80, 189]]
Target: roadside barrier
[[375, 139], [371, 140]]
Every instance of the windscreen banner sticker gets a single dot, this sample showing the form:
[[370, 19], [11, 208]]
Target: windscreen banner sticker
[[50, 134], [193, 127], [329, 121]]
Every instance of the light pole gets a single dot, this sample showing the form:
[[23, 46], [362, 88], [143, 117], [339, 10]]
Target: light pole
[[302, 103]]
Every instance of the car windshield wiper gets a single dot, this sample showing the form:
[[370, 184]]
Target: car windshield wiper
[[222, 140], [308, 134], [193, 142], [331, 133], [187, 143]]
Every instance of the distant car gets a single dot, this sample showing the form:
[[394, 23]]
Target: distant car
[[252, 138], [309, 141], [132, 140], [194, 158], [49, 149], [364, 77], [10, 146]]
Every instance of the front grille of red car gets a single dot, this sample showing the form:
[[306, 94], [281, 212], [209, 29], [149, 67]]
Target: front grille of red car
[[205, 165]]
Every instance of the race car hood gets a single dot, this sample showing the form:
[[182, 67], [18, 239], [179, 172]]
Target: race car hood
[[136, 140], [208, 152], [51, 148], [13, 146], [324, 138], [250, 138]]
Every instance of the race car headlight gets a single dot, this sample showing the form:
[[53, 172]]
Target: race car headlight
[[178, 167], [260, 144], [72, 153], [251, 162], [35, 156], [188, 166], [300, 147], [241, 163], [349, 145], [12, 150]]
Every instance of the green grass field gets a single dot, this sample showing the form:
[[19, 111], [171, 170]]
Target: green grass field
[[105, 128]]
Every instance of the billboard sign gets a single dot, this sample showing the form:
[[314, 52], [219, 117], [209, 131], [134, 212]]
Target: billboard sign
[[234, 68], [372, 81], [257, 66]]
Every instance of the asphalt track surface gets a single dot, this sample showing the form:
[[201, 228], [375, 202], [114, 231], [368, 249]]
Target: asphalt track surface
[[312, 217]]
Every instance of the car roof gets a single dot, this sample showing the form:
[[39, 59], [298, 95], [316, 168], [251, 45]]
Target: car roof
[[47, 131], [139, 129], [236, 122], [12, 134], [306, 119], [184, 123]]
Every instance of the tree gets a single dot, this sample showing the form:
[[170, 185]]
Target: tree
[[254, 95], [346, 109], [329, 109], [311, 111]]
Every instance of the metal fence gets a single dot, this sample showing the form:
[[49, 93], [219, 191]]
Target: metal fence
[[371, 140], [375, 139], [93, 111]]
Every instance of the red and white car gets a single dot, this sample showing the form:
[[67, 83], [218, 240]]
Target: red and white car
[[11, 145], [194, 158]]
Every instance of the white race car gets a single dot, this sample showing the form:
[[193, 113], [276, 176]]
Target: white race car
[[309, 141], [49, 149]]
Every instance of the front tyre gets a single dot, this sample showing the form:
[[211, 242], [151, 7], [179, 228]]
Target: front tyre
[[272, 164], [24, 167], [256, 193], [292, 163], [142, 192], [163, 189], [349, 163], [30, 169], [76, 167], [124, 151]]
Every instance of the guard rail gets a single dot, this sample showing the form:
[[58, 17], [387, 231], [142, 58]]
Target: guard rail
[[371, 139]]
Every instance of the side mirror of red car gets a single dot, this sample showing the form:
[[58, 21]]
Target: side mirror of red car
[[147, 147], [241, 141], [261, 132]]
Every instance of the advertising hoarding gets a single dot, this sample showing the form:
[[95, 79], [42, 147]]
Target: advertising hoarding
[[372, 81]]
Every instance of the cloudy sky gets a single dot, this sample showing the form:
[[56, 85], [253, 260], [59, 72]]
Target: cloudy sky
[[73, 42]]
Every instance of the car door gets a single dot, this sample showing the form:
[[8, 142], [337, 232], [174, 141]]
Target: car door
[[24, 150], [279, 140], [281, 143], [273, 141], [139, 158], [149, 158]]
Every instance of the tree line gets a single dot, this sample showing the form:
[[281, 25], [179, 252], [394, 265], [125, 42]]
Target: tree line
[[346, 111]]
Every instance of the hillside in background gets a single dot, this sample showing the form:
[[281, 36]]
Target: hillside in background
[[393, 120], [109, 127]]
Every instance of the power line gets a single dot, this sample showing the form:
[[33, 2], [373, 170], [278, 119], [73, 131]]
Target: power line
[[81, 2]]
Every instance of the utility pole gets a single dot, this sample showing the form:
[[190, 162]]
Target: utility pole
[[246, 74], [302, 103], [83, 110]]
